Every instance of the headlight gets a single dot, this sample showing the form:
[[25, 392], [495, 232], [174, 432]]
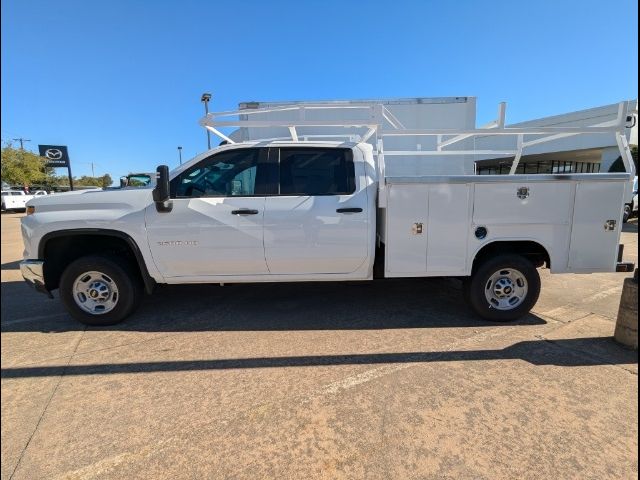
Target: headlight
[[31, 210]]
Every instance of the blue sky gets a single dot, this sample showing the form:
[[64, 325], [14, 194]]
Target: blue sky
[[119, 82]]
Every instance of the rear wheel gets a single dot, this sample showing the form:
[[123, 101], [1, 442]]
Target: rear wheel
[[627, 213], [100, 290], [503, 288]]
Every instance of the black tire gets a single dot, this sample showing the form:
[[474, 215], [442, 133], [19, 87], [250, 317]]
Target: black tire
[[627, 213], [123, 276], [475, 286]]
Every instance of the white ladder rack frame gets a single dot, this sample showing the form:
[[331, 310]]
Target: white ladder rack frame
[[379, 117]]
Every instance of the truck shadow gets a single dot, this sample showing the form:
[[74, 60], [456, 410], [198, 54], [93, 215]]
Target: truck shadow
[[11, 265], [387, 304], [571, 352], [631, 226]]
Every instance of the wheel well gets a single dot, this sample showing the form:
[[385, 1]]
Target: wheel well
[[60, 250], [531, 250]]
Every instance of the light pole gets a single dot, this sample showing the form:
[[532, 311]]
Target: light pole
[[180, 154], [205, 99]]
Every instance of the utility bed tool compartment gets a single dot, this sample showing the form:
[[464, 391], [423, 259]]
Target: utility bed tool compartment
[[522, 203], [597, 220], [426, 229]]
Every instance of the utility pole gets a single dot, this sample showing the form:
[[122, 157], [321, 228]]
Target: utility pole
[[21, 140], [180, 154], [93, 165], [205, 99]]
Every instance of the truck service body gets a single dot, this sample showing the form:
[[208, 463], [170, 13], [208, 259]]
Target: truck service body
[[279, 210]]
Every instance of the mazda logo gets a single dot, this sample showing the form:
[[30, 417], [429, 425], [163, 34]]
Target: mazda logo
[[53, 154]]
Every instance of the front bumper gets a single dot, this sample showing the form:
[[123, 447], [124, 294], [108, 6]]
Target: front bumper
[[33, 273]]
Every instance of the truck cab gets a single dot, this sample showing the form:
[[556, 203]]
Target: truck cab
[[251, 212]]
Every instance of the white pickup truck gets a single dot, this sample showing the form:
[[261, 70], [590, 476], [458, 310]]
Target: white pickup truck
[[16, 200], [294, 210]]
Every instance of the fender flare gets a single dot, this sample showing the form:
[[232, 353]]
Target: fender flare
[[149, 282]]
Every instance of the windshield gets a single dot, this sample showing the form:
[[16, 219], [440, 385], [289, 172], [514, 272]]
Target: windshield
[[139, 180]]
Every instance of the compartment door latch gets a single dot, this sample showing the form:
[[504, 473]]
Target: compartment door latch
[[522, 193]]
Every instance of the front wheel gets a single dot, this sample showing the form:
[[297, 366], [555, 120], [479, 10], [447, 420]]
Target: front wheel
[[503, 288], [627, 213], [100, 290]]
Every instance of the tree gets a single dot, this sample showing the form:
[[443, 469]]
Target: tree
[[19, 167], [106, 180], [88, 181]]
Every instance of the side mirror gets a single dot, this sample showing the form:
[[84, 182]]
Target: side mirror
[[161, 190], [123, 182]]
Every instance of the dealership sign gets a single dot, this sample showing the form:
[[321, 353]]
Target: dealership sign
[[56, 155]]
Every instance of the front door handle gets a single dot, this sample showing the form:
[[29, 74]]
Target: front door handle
[[349, 210], [244, 211]]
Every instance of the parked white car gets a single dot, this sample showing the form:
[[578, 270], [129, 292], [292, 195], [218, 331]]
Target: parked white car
[[16, 200], [283, 211]]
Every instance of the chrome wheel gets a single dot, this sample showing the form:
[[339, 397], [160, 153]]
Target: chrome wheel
[[95, 293], [506, 289]]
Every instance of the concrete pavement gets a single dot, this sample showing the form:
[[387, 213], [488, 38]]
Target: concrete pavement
[[393, 379]]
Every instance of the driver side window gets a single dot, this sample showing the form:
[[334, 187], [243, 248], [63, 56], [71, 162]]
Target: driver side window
[[231, 173]]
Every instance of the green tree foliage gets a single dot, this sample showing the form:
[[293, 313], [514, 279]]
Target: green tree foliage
[[19, 167], [88, 181], [106, 180], [618, 165]]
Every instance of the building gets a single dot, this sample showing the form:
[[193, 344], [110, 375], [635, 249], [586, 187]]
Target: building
[[579, 153]]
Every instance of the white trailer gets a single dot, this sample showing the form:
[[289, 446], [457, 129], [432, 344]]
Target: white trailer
[[296, 209]]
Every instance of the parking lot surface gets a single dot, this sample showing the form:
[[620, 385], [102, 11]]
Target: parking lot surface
[[376, 380]]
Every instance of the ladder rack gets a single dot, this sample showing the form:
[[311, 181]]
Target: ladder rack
[[381, 123]]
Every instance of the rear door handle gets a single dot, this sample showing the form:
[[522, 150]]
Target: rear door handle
[[349, 210], [244, 211]]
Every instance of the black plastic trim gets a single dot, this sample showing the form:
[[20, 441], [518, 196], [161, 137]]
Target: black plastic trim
[[625, 266], [149, 282]]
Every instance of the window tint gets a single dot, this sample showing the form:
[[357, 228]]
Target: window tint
[[316, 171], [226, 174]]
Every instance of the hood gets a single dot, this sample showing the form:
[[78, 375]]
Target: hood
[[78, 200]]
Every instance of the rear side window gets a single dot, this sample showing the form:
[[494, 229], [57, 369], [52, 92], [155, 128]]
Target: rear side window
[[316, 171]]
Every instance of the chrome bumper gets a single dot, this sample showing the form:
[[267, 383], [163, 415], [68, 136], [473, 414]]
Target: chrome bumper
[[33, 273]]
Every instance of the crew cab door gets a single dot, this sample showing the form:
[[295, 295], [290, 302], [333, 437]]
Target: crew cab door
[[216, 224], [317, 223]]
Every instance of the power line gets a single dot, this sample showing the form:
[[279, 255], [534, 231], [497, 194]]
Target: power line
[[21, 140]]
